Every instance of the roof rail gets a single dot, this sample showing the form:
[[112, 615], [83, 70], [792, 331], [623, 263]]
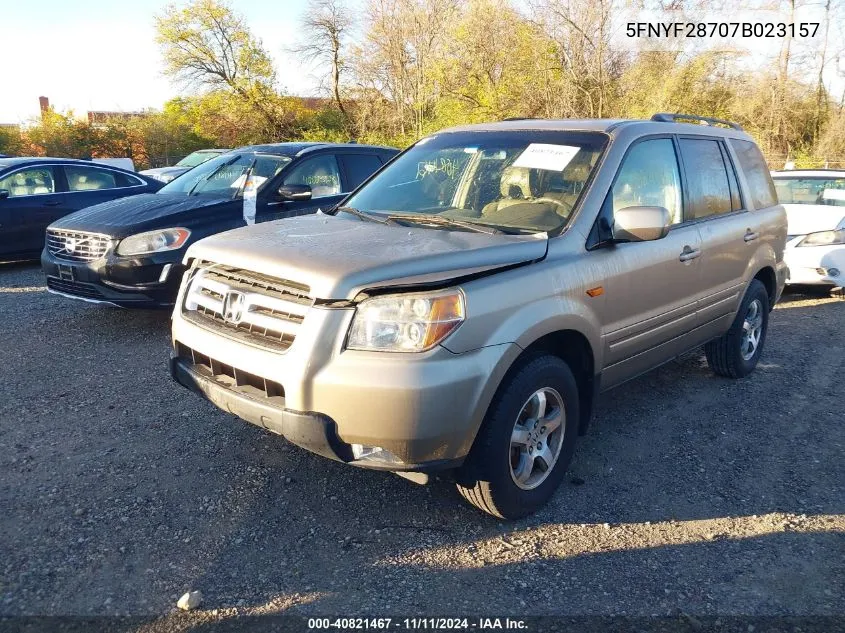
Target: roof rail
[[667, 117]]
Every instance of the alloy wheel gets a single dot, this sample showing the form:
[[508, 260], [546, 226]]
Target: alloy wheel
[[752, 330], [537, 438]]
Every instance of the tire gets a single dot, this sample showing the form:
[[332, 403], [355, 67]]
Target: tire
[[488, 478], [731, 354]]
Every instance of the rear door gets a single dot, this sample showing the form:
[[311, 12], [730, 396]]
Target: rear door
[[322, 173], [89, 185], [727, 235], [650, 287], [35, 199]]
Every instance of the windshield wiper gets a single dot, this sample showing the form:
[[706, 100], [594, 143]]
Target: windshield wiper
[[444, 221], [211, 175], [364, 215]]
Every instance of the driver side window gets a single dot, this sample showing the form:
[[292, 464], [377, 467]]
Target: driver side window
[[320, 173], [649, 177]]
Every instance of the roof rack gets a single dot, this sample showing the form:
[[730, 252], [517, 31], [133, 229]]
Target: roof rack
[[667, 117]]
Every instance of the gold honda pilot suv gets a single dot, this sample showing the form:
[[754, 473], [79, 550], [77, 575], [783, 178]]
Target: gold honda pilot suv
[[466, 307]]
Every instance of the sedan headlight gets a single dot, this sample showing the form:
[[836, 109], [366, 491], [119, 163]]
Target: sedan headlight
[[153, 242], [824, 238], [406, 322]]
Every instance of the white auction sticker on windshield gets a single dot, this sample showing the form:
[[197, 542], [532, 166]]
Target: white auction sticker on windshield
[[546, 156], [834, 194]]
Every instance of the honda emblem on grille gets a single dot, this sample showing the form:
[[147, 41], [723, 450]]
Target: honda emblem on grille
[[233, 307]]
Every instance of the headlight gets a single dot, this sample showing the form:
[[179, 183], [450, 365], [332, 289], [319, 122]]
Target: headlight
[[153, 242], [407, 322], [824, 238]]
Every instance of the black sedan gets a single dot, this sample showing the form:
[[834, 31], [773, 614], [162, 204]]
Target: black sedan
[[129, 252], [37, 191]]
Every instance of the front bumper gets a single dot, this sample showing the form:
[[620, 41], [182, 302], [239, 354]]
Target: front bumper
[[312, 431], [140, 282], [822, 265], [424, 408]]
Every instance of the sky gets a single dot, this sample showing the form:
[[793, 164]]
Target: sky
[[101, 54]]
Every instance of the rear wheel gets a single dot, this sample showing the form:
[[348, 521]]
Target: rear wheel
[[526, 441], [735, 354]]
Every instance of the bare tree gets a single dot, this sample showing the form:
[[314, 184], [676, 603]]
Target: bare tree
[[580, 31], [326, 27], [399, 52]]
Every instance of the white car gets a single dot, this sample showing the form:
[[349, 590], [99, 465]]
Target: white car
[[815, 208]]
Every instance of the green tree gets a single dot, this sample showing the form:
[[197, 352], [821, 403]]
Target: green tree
[[11, 141], [63, 135], [209, 47]]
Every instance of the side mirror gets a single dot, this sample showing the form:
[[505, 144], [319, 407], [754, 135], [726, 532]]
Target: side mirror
[[640, 224], [4, 193], [295, 192]]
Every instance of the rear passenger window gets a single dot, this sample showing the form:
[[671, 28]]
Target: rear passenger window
[[708, 189], [649, 178], [753, 165], [89, 179], [359, 167]]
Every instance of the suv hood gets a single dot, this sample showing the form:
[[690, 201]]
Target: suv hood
[[135, 214], [812, 218], [339, 257]]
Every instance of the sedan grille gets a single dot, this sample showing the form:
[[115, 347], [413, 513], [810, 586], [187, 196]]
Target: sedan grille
[[245, 305], [75, 246], [76, 288]]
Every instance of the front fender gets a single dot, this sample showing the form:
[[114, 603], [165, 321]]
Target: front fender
[[523, 305]]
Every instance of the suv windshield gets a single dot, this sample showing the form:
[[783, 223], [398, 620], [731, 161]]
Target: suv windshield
[[225, 175], [197, 158], [811, 190], [526, 180]]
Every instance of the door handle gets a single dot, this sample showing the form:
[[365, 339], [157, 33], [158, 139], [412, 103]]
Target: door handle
[[688, 254], [750, 236], [52, 204]]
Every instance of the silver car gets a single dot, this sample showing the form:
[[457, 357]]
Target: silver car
[[466, 306], [815, 208]]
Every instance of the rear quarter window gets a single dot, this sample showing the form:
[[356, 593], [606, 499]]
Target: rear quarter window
[[127, 181], [753, 165]]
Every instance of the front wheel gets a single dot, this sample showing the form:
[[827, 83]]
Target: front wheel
[[735, 354], [526, 441]]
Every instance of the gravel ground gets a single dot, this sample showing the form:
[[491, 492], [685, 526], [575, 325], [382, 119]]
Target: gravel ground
[[119, 491]]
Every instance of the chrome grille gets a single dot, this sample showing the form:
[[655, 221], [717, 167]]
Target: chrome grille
[[246, 305], [76, 246]]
